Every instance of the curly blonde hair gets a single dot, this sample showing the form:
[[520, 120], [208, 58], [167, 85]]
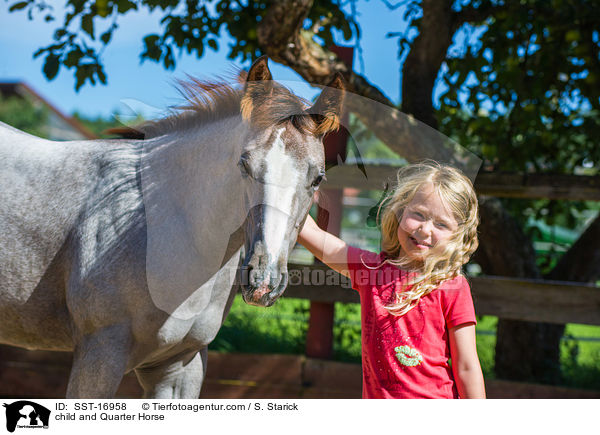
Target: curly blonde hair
[[442, 262]]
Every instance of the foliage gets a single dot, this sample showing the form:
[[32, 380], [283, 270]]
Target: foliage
[[346, 333], [522, 92], [23, 114], [532, 74], [580, 355], [89, 25], [99, 125]]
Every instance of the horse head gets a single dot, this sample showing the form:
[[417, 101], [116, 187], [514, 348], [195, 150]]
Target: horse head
[[282, 165]]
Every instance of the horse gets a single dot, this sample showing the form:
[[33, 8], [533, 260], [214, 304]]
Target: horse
[[129, 252]]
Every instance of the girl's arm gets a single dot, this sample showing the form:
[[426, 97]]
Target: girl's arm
[[325, 246], [465, 363]]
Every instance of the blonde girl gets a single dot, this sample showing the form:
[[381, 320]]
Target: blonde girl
[[417, 315]]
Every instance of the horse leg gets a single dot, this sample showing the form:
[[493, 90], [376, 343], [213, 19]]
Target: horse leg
[[179, 378], [99, 362]]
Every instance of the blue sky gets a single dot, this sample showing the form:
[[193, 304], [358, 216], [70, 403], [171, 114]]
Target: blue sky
[[149, 85]]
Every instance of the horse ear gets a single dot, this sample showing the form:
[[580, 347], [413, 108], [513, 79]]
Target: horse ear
[[327, 109], [259, 71], [259, 87]]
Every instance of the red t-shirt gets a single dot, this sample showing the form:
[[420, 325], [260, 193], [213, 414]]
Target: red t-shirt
[[406, 356]]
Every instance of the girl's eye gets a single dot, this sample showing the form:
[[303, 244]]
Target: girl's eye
[[441, 225], [418, 215]]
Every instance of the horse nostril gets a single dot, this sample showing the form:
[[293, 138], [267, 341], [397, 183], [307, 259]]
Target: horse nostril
[[246, 276], [282, 282], [275, 279]]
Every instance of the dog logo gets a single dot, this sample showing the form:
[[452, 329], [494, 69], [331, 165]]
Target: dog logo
[[26, 414]]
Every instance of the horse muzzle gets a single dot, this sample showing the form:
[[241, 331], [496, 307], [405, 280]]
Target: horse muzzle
[[262, 287]]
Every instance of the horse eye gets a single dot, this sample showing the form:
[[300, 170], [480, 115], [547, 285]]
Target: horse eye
[[317, 181], [244, 166]]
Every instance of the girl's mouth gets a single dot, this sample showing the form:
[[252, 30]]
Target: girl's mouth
[[420, 245]]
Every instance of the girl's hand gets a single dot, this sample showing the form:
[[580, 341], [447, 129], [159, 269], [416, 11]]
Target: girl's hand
[[328, 248], [465, 363]]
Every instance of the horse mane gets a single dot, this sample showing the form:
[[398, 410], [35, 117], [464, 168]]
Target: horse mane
[[210, 101]]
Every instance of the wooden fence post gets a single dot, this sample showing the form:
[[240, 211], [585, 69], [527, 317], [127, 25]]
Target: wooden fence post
[[319, 338]]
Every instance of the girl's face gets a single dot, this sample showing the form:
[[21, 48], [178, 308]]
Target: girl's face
[[426, 222]]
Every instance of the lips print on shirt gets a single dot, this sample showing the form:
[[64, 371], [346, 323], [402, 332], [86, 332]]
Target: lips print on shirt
[[407, 356], [408, 334]]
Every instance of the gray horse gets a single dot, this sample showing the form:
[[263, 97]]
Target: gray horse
[[129, 252]]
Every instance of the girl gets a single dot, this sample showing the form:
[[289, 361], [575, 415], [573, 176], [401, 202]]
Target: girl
[[416, 306]]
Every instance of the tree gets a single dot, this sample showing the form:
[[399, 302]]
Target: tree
[[101, 126], [23, 114], [523, 95], [88, 25]]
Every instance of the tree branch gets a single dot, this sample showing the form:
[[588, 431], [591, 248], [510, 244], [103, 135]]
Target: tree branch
[[281, 37], [425, 58]]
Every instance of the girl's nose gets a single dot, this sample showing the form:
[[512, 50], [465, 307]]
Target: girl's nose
[[426, 227]]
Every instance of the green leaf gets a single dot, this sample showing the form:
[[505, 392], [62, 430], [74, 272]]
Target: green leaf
[[18, 6], [169, 59], [152, 51], [87, 24], [102, 8], [60, 33], [101, 74], [39, 52], [73, 57], [51, 66], [79, 78], [84, 72], [125, 5], [105, 37]]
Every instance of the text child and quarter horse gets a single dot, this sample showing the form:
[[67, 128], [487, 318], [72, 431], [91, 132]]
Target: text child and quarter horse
[[129, 252]]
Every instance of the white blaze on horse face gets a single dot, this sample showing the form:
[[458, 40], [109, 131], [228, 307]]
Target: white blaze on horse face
[[281, 180]]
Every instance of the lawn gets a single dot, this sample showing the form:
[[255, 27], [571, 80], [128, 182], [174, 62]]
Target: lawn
[[282, 329]]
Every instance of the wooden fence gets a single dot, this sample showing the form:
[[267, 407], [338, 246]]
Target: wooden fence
[[503, 185], [508, 298]]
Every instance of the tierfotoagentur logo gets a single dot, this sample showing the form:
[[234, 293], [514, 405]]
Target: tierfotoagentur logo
[[26, 415]]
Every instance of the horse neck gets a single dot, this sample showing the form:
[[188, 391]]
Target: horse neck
[[200, 174]]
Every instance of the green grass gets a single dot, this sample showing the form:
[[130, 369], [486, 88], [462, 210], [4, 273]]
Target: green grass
[[278, 329], [282, 329], [486, 344], [580, 359]]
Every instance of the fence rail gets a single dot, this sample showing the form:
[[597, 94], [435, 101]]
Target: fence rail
[[505, 185], [508, 298]]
